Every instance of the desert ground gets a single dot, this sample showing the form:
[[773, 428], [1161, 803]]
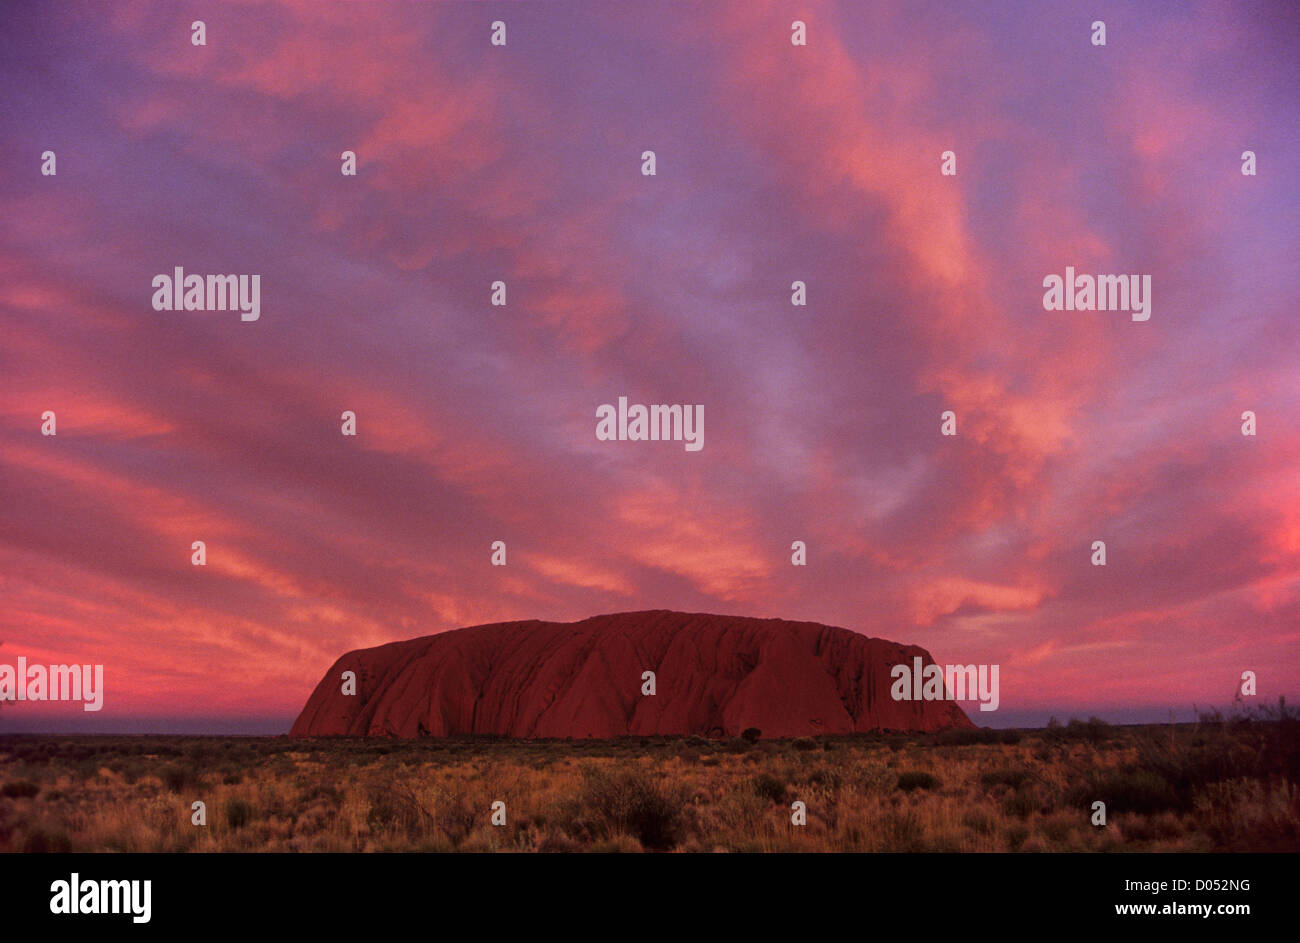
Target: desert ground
[[1217, 785]]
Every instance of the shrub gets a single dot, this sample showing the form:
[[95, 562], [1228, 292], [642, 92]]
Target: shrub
[[1219, 753], [752, 734], [768, 786], [238, 813], [805, 744], [979, 821], [176, 777], [1129, 790], [961, 738], [396, 808], [875, 777], [1013, 777], [630, 802], [824, 776], [41, 842], [902, 831], [917, 779], [1016, 836], [1094, 730], [19, 789], [1019, 805], [456, 819]]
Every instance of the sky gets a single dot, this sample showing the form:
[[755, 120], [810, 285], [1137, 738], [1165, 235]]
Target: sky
[[476, 423]]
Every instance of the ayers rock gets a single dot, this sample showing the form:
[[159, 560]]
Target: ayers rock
[[583, 679]]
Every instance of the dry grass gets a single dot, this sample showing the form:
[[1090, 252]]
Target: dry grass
[[1205, 787]]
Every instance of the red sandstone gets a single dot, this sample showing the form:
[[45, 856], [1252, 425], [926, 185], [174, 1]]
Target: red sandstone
[[583, 679]]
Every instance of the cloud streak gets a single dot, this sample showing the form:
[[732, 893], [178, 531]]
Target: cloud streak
[[476, 422]]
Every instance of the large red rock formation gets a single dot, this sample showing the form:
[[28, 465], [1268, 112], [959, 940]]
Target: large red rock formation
[[583, 679]]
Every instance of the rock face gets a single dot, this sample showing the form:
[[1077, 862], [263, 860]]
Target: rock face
[[583, 679]]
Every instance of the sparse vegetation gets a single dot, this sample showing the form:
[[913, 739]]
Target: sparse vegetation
[[1221, 784]]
